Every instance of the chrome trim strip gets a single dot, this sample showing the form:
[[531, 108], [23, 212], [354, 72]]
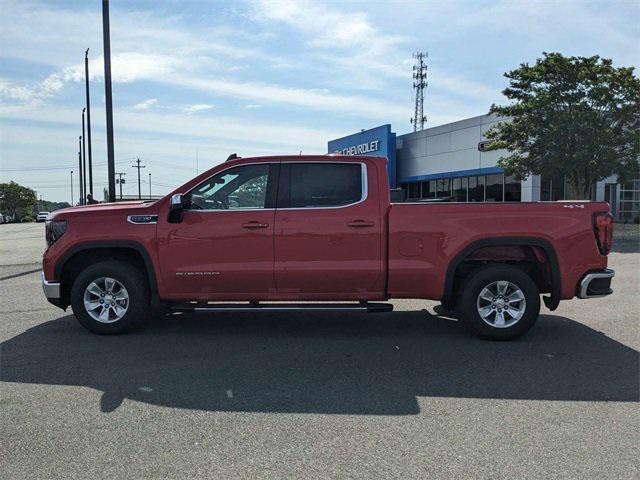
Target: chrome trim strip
[[584, 284], [50, 289], [229, 210]]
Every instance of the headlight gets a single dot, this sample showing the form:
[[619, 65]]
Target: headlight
[[54, 230]]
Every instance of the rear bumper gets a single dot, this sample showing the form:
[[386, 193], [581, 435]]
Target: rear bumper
[[596, 284]]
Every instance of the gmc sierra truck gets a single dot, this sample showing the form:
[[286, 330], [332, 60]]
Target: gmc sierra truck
[[306, 231]]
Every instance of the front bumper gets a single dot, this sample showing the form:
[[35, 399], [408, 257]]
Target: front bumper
[[596, 284], [51, 289]]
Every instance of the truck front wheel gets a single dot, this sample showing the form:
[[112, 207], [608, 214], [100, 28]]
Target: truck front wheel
[[110, 297], [500, 302]]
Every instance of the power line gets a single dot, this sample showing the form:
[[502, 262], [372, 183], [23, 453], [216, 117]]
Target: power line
[[46, 169]]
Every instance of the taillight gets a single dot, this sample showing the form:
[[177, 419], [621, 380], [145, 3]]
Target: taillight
[[603, 228]]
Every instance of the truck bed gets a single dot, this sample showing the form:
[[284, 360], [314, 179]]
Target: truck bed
[[425, 239]]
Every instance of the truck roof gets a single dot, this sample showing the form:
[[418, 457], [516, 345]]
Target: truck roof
[[330, 157]]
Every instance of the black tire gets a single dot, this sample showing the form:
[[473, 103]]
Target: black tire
[[486, 276], [137, 289]]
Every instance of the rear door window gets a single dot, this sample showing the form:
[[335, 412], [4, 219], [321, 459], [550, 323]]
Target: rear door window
[[318, 185]]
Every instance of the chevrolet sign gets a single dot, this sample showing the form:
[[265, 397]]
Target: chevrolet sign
[[362, 149]]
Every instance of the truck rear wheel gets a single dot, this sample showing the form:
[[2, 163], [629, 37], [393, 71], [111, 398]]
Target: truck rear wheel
[[110, 297], [500, 302]]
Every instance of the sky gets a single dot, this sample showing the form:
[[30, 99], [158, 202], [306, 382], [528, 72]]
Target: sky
[[196, 81]]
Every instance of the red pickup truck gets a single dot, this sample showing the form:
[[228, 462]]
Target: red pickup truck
[[256, 231]]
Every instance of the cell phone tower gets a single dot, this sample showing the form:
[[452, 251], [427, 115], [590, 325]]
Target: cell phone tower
[[419, 83]]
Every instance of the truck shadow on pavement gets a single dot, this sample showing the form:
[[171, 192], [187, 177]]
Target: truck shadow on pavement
[[376, 364]]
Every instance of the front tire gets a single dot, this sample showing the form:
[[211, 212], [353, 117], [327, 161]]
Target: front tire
[[500, 302], [110, 297]]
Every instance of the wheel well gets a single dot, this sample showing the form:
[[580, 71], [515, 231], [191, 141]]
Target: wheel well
[[90, 256], [532, 259]]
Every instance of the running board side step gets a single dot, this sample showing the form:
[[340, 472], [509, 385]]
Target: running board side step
[[284, 307]]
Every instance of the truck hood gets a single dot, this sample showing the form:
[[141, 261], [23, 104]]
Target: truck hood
[[137, 206]]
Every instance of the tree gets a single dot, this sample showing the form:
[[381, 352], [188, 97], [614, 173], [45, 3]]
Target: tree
[[16, 199], [572, 116]]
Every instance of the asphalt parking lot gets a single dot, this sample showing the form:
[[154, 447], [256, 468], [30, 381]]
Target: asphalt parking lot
[[408, 394]]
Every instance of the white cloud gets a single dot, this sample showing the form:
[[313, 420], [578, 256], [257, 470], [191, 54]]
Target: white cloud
[[315, 99], [13, 92], [285, 136], [326, 27], [146, 105], [197, 107], [125, 68], [253, 106]]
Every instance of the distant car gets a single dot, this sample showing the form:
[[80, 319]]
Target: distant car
[[42, 216]]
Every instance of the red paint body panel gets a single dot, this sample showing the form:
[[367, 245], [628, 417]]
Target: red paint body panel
[[211, 255], [404, 250], [324, 253], [445, 229]]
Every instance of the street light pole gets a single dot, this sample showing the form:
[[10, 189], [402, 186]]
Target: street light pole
[[106, 40], [86, 82], [72, 188], [84, 155], [80, 169], [120, 181], [149, 185]]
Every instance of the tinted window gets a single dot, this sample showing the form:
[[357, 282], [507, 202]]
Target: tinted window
[[494, 188], [512, 189], [243, 187], [414, 190], [459, 189], [324, 184], [476, 189], [444, 190]]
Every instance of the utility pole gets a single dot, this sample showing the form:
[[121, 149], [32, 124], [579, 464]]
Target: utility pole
[[149, 185], [84, 156], [80, 169], [72, 188], [86, 83], [120, 181], [138, 166], [106, 40], [419, 83]]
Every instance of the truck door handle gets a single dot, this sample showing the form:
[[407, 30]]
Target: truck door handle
[[255, 224], [360, 224]]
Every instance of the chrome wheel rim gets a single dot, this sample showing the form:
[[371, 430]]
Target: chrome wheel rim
[[106, 300], [501, 304]]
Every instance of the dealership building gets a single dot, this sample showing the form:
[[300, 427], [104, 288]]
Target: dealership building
[[450, 162]]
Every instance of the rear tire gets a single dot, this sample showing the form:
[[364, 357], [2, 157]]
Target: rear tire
[[110, 297], [499, 302]]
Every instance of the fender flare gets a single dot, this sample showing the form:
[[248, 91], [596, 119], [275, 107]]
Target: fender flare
[[105, 245], [551, 301]]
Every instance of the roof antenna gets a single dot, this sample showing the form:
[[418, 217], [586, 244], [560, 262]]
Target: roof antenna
[[233, 156]]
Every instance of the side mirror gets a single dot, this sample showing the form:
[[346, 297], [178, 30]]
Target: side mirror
[[176, 202], [176, 205]]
